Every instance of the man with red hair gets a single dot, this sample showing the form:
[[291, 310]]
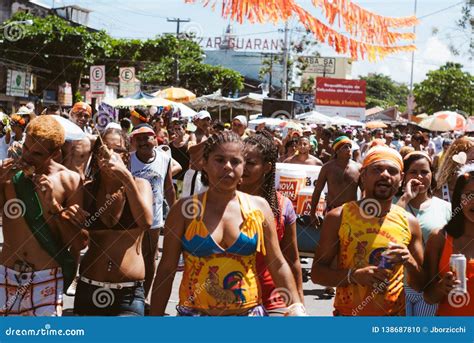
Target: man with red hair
[[41, 220]]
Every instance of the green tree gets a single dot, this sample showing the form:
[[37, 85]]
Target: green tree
[[65, 52], [448, 88], [62, 50], [382, 91]]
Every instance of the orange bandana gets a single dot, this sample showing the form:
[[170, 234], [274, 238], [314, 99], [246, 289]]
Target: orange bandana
[[82, 106], [383, 153]]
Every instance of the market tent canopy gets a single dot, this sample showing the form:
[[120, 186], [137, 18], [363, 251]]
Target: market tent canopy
[[252, 102], [138, 99], [269, 122], [314, 117], [341, 121]]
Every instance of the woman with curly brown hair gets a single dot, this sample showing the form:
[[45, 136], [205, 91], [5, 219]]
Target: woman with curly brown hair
[[458, 154], [261, 156]]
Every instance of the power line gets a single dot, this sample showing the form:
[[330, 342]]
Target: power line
[[441, 10]]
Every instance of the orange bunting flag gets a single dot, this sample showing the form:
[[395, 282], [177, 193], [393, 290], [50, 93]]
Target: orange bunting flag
[[371, 35]]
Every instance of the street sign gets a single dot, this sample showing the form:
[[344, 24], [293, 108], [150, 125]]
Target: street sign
[[97, 81], [127, 81], [18, 83]]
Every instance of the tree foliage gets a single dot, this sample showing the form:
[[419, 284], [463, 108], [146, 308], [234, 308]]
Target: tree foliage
[[65, 51], [384, 92], [448, 88]]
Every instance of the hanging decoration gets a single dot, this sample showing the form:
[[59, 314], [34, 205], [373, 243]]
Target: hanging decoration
[[370, 36]]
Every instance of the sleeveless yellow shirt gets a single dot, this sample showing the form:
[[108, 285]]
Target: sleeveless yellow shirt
[[362, 240]]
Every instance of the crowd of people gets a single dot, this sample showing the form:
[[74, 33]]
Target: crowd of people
[[85, 216]]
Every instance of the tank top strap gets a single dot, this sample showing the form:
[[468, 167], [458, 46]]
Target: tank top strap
[[253, 222], [196, 227], [199, 208]]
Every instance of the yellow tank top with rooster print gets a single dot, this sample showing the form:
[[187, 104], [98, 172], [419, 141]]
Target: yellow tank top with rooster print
[[222, 279]]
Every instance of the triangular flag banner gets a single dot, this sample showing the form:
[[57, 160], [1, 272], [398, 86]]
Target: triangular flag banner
[[370, 35]]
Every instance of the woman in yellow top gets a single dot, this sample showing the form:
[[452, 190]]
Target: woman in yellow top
[[220, 233]]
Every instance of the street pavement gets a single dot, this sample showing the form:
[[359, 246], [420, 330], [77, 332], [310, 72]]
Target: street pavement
[[317, 303]]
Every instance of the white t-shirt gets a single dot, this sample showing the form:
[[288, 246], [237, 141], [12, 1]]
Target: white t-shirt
[[3, 148], [155, 173]]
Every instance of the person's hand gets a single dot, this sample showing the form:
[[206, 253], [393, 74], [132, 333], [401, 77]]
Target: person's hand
[[412, 188], [315, 220], [114, 166], [7, 169], [398, 253], [370, 276], [44, 188], [75, 215], [448, 283]]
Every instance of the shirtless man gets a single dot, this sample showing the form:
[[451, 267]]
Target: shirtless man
[[342, 176], [42, 199], [303, 156], [76, 154]]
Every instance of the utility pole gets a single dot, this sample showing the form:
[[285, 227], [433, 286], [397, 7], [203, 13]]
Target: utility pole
[[284, 91], [270, 76], [178, 21], [410, 96]]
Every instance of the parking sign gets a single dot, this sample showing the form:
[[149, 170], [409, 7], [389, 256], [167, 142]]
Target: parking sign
[[97, 81], [127, 81]]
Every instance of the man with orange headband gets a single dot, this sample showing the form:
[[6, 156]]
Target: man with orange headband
[[80, 115], [374, 242], [341, 174]]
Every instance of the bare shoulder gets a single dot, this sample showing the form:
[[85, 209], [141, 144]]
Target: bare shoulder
[[355, 164], [256, 202], [315, 161], [142, 183], [329, 165], [412, 221], [68, 176]]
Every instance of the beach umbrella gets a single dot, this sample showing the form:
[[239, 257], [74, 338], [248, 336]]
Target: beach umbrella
[[444, 121], [376, 124], [175, 94]]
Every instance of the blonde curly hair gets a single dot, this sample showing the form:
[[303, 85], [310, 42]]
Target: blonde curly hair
[[47, 129], [449, 167]]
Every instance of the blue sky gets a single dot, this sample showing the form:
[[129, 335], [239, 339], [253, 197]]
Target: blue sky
[[147, 18]]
